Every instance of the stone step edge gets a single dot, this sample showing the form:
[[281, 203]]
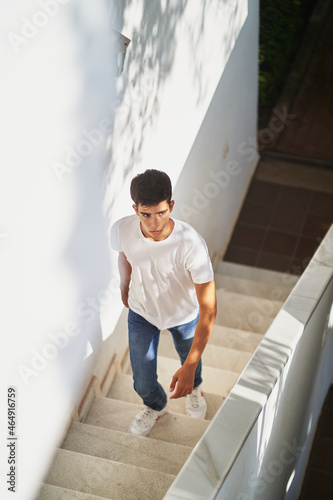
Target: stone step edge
[[205, 367], [256, 289], [129, 376], [251, 282], [238, 333], [61, 451], [173, 427], [59, 491], [256, 274], [153, 441], [137, 407], [228, 350], [125, 448], [247, 298], [214, 356], [106, 400], [62, 457], [217, 330], [214, 401], [241, 330]]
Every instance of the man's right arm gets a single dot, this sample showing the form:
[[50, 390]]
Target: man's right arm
[[125, 271]]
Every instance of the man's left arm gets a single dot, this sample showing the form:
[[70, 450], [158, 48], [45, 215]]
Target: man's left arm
[[183, 379]]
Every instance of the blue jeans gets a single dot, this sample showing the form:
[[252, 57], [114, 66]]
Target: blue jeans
[[143, 343]]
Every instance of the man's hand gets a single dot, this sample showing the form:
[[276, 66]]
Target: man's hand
[[124, 295], [182, 381]]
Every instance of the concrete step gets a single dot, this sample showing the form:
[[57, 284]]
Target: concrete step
[[125, 448], [215, 356], [256, 274], [252, 314], [172, 427], [215, 381], [252, 288], [122, 389], [50, 492], [106, 478], [233, 338]]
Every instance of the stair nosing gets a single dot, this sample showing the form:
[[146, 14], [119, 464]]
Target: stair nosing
[[69, 490], [150, 439], [106, 460]]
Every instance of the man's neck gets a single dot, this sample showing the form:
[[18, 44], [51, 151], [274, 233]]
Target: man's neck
[[162, 237]]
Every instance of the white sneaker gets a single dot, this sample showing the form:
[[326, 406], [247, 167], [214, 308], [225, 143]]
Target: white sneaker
[[145, 420], [196, 405]]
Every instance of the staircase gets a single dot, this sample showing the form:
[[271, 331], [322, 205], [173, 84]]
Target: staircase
[[100, 459]]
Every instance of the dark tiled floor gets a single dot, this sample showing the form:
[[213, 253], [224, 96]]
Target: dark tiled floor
[[280, 227], [318, 482], [310, 132]]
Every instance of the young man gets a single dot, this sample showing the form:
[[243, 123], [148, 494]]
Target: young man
[[167, 281]]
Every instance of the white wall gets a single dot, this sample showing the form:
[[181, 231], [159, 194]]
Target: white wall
[[72, 137], [222, 160], [56, 83]]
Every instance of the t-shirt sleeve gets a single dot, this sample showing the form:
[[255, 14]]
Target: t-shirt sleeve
[[115, 237], [198, 262]]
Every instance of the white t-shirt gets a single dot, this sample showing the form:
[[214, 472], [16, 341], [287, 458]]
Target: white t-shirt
[[163, 272]]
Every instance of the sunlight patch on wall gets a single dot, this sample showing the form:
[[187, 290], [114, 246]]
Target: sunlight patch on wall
[[172, 68]]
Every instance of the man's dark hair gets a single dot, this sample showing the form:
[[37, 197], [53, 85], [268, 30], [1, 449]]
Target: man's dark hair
[[151, 187]]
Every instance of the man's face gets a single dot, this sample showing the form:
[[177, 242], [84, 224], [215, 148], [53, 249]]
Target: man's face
[[155, 220]]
